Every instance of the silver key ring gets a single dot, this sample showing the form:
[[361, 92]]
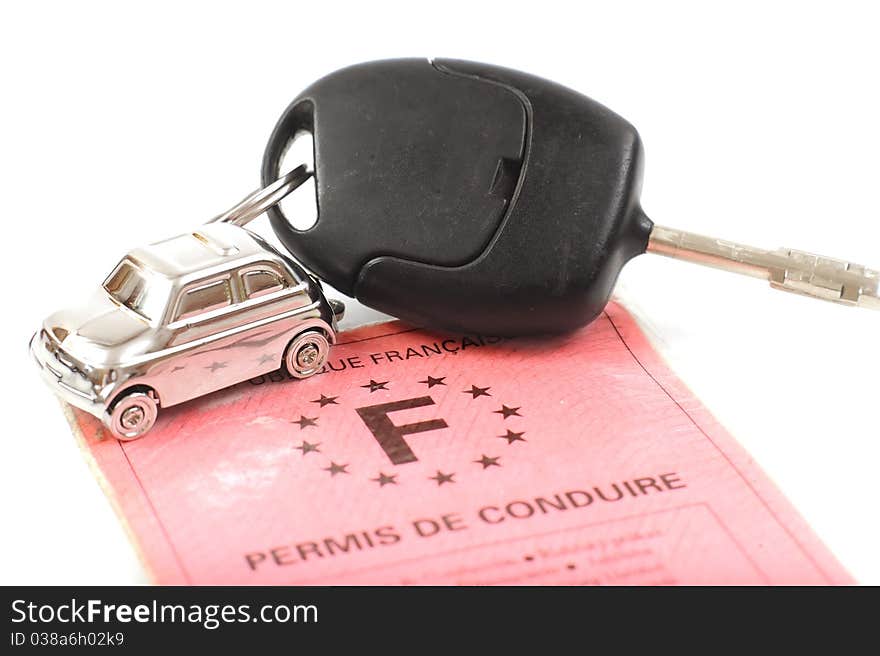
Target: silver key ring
[[263, 199]]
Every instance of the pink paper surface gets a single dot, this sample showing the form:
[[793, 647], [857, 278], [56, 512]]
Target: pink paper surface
[[573, 460]]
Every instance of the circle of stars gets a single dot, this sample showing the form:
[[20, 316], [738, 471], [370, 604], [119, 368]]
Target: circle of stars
[[382, 479]]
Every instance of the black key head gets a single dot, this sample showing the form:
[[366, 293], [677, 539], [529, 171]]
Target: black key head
[[464, 196]]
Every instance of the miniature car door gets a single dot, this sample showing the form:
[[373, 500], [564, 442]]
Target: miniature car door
[[269, 294], [201, 323]]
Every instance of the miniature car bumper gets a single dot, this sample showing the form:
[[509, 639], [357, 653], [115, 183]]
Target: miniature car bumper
[[64, 376]]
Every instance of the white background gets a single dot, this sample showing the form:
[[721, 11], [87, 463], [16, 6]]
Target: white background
[[122, 126]]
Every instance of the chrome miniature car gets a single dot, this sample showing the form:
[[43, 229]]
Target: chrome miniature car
[[181, 318]]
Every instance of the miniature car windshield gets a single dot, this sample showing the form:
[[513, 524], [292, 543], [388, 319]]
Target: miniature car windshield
[[136, 289]]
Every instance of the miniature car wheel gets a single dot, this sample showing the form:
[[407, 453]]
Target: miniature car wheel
[[132, 416], [306, 354]]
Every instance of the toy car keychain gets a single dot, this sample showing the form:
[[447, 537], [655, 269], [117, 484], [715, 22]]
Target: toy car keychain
[[188, 316]]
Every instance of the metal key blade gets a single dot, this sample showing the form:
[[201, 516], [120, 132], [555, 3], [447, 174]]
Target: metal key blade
[[790, 270]]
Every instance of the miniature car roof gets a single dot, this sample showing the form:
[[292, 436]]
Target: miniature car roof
[[211, 245]]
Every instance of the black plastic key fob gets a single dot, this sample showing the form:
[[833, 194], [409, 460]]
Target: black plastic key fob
[[465, 196]]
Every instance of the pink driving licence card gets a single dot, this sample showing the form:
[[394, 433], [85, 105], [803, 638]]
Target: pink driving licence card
[[425, 458]]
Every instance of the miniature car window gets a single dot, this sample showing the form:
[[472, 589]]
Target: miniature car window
[[130, 286], [208, 297], [258, 282]]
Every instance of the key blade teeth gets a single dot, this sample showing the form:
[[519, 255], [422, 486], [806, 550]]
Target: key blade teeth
[[787, 269], [827, 278]]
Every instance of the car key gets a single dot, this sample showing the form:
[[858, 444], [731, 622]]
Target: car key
[[470, 197]]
